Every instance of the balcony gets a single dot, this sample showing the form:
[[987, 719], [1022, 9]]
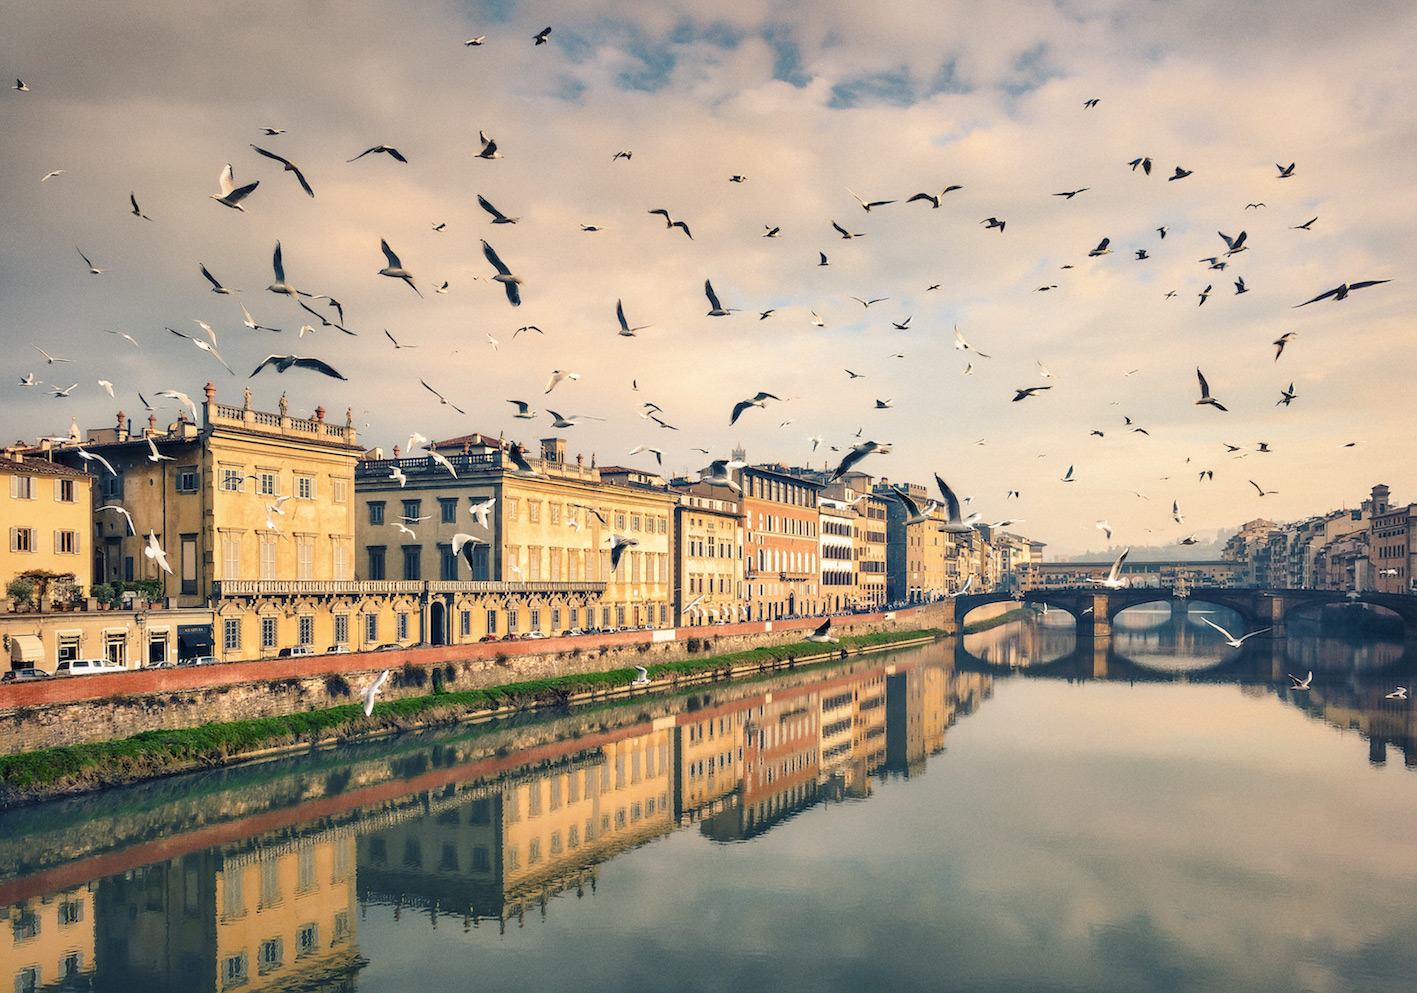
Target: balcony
[[232, 588]]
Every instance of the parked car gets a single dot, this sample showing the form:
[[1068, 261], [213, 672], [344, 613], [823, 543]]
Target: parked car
[[336, 650], [489, 637], [23, 675], [199, 660], [392, 646], [294, 650], [511, 637], [572, 633], [85, 667], [530, 635]]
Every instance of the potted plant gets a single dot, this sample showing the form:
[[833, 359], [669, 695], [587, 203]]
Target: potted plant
[[103, 594], [149, 589], [20, 590], [67, 593]]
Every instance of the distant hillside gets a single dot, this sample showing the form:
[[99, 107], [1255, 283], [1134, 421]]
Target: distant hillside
[[1206, 549]]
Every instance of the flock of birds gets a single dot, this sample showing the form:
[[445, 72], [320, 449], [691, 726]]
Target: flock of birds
[[322, 312]]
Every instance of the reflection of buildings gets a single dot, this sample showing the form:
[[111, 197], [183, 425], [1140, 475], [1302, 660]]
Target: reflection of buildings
[[51, 940], [480, 834], [277, 917]]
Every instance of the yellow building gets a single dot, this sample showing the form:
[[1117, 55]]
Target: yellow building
[[542, 561], [48, 514], [246, 497], [708, 551], [48, 942]]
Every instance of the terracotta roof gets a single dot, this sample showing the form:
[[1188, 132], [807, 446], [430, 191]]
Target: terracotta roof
[[35, 466]]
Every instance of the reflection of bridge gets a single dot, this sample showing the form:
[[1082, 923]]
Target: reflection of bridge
[[1095, 608]]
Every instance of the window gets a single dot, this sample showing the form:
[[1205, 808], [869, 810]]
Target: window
[[268, 557], [619, 522], [341, 629], [186, 481], [233, 480], [231, 558], [231, 634], [448, 510], [66, 543], [268, 483], [492, 622], [268, 632], [376, 559], [340, 550], [305, 487], [555, 619], [22, 539], [68, 647], [535, 619], [447, 563], [189, 563], [465, 623], [511, 621], [339, 490], [307, 630], [234, 971], [376, 512], [635, 522], [412, 510], [304, 558], [64, 490], [402, 626], [22, 488], [115, 647], [271, 955], [371, 628], [412, 561], [307, 940], [533, 511]]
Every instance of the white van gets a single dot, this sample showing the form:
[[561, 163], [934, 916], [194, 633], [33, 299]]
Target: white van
[[81, 667]]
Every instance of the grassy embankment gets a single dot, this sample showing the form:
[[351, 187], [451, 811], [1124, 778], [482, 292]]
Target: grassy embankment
[[157, 753]]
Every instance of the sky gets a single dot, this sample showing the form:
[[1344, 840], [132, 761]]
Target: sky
[[812, 105]]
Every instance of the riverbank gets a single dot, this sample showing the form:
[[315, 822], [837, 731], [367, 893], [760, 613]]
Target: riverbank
[[1016, 614], [28, 777]]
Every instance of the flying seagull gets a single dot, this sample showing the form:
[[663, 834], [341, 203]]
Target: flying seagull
[[137, 211], [1179, 174], [540, 36], [504, 276], [216, 283], [963, 345], [524, 409], [497, 216], [95, 457], [993, 222], [284, 362], [231, 195], [1144, 162], [625, 328], [1230, 639], [126, 516], [758, 401], [1301, 684], [49, 359], [1285, 172], [556, 376], [845, 233], [642, 677], [618, 544], [154, 551], [1028, 392], [93, 270], [670, 223], [395, 267], [954, 524], [388, 150], [372, 690], [867, 206], [856, 454], [716, 309], [442, 399], [489, 148], [1206, 398], [181, 398], [822, 634], [289, 167], [1280, 342], [206, 346], [1341, 291], [1113, 580]]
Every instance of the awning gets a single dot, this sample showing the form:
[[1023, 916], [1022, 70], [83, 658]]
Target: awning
[[26, 651], [193, 640]]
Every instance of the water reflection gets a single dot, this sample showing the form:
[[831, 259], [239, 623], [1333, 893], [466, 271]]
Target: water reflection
[[254, 878], [348, 867]]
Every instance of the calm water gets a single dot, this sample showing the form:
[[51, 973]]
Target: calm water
[[1009, 813]]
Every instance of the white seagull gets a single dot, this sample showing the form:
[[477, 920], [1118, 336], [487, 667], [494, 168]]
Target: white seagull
[[1230, 639], [154, 551], [504, 275], [395, 267], [1114, 580], [372, 689], [231, 195]]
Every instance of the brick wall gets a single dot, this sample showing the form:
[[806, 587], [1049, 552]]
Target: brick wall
[[80, 709]]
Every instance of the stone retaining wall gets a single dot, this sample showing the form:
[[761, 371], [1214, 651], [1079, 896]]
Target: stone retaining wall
[[83, 709]]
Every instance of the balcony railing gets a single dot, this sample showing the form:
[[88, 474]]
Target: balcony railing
[[229, 588]]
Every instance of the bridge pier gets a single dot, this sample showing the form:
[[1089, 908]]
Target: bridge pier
[[1271, 614], [1095, 623]]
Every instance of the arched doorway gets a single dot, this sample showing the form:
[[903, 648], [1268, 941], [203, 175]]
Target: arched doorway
[[437, 623]]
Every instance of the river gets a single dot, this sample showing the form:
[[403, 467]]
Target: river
[[1010, 811]]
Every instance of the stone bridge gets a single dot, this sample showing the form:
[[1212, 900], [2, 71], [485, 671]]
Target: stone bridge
[[1094, 608]]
